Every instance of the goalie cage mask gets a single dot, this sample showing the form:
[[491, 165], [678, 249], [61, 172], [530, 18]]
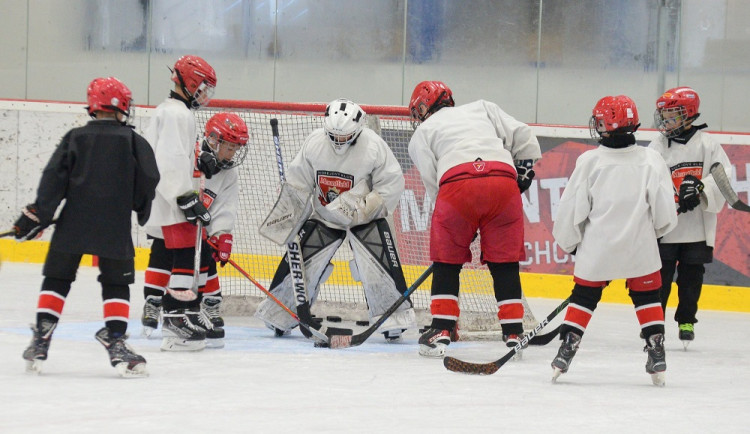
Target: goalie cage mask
[[343, 123]]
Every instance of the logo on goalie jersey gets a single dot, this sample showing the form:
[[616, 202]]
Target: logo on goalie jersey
[[332, 184]]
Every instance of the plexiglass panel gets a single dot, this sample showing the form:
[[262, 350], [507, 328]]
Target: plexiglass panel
[[13, 25]]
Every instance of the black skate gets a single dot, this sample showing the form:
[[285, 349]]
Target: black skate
[[511, 341], [121, 356], [211, 305], [214, 335], [180, 334], [656, 364], [565, 354], [151, 315], [687, 333], [36, 353], [433, 342]]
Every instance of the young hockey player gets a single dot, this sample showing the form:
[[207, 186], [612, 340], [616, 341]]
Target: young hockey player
[[462, 153], [689, 154], [104, 171], [617, 202], [177, 207], [357, 182], [223, 148]]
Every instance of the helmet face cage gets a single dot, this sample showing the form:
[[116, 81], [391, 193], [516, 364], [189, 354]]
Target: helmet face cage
[[226, 136], [110, 95], [613, 115], [343, 123], [671, 122], [427, 98], [197, 79]]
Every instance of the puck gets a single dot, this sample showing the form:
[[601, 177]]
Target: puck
[[363, 323], [333, 318]]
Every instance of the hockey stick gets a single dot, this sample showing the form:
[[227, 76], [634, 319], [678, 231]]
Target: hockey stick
[[353, 341], [455, 365], [7, 234], [297, 263], [302, 324], [720, 176]]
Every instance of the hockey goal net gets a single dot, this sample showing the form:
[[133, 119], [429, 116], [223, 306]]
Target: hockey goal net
[[340, 295]]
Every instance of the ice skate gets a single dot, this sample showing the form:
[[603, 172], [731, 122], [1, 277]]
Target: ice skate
[[510, 342], [180, 334], [656, 364], [151, 315], [687, 334], [211, 305], [433, 342], [214, 334], [127, 363], [393, 336], [36, 353], [565, 354]]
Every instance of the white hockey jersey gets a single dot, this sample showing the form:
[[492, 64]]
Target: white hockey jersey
[[171, 133], [319, 170], [614, 207], [457, 135], [695, 158]]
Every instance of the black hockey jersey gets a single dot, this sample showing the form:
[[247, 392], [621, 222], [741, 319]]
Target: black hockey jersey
[[104, 171]]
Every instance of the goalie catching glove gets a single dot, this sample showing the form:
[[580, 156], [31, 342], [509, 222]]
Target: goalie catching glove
[[28, 226], [222, 244], [689, 196], [356, 206], [525, 171], [193, 208]]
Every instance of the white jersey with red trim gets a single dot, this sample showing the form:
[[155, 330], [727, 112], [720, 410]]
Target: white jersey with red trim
[[457, 135], [695, 158], [614, 207], [318, 169]]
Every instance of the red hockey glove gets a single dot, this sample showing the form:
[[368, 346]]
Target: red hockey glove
[[223, 249]]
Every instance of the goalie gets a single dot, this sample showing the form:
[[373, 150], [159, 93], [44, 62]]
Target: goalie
[[357, 183]]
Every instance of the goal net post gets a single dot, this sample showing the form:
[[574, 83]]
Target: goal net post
[[340, 295]]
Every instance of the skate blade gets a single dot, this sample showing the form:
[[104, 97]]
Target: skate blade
[[214, 343], [518, 356], [685, 345], [658, 378], [433, 353], [137, 371], [556, 372], [179, 345], [34, 367], [146, 332]]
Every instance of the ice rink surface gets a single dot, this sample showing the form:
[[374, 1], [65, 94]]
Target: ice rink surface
[[261, 384]]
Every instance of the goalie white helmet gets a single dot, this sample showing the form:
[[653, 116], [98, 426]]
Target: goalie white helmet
[[343, 123]]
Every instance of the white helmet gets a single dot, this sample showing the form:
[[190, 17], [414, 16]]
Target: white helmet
[[343, 123]]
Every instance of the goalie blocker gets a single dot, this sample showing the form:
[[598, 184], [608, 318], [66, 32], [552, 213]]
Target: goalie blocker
[[376, 265]]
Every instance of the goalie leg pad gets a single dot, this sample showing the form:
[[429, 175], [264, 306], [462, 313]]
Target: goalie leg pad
[[319, 244], [379, 269]]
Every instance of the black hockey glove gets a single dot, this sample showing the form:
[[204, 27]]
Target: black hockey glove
[[689, 196], [208, 164], [193, 208], [525, 174], [28, 225]]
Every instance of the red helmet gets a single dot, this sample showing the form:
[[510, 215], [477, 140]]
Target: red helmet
[[197, 79], [614, 114], [223, 130], [429, 97], [675, 110], [108, 95]]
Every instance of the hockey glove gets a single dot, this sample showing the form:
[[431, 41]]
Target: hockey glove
[[28, 226], [193, 208], [222, 248], [208, 164], [689, 196], [525, 171]]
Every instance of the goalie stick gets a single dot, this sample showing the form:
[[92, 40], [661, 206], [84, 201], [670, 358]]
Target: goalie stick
[[455, 365], [297, 264], [720, 176], [353, 341]]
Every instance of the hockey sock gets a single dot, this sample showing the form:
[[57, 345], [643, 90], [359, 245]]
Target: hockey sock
[[649, 311], [52, 299], [116, 306], [507, 284], [689, 284], [667, 276], [444, 298], [583, 302], [155, 282]]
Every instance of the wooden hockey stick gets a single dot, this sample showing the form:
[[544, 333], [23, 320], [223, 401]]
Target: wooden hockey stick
[[455, 365], [353, 341], [297, 262], [720, 176]]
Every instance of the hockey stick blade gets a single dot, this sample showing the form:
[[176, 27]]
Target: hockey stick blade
[[456, 365], [7, 234], [338, 342], [720, 176]]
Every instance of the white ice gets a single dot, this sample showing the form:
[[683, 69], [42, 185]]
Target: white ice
[[261, 384]]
